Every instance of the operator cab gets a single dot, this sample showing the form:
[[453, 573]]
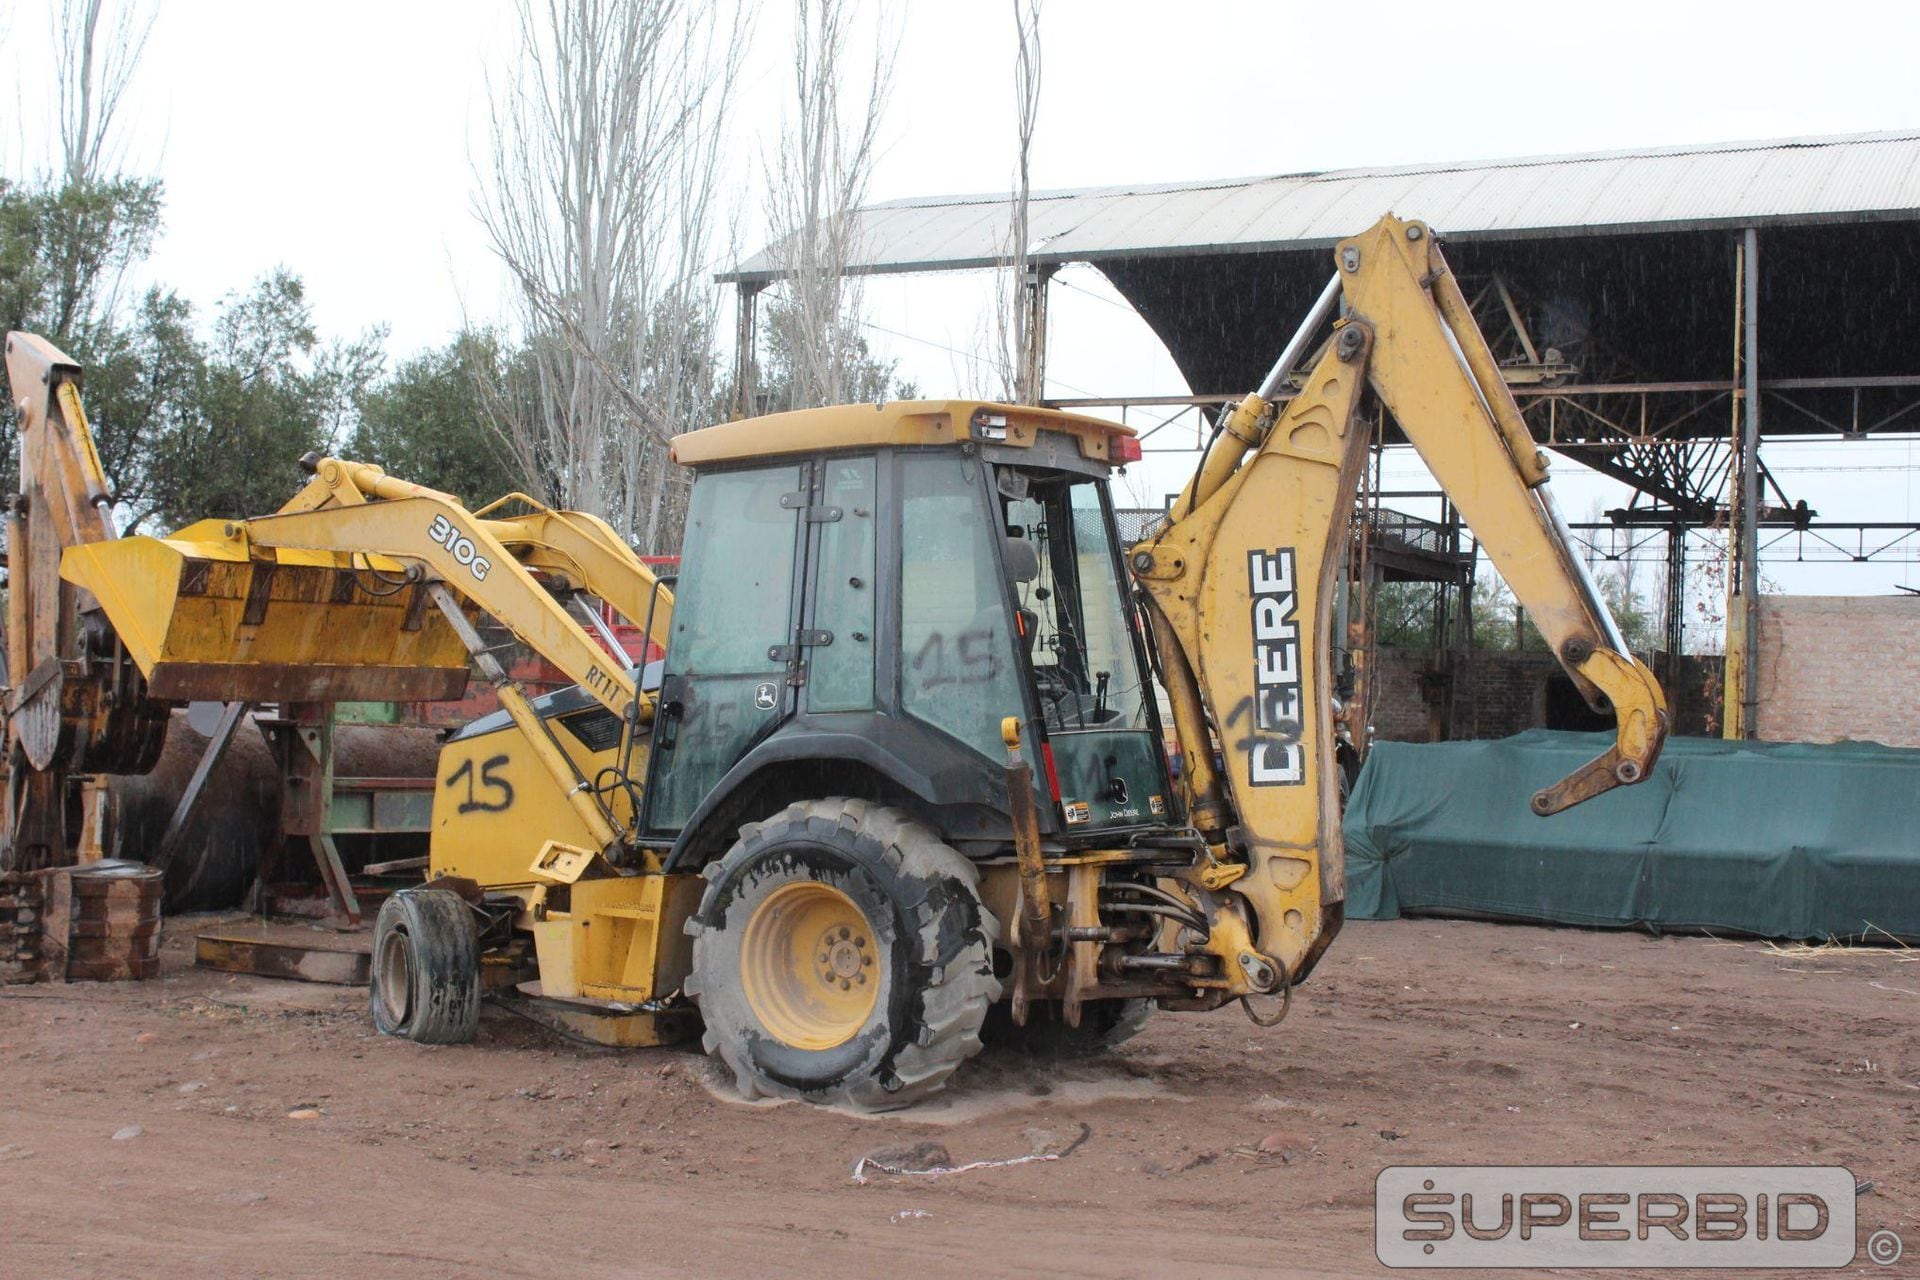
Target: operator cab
[[867, 592]]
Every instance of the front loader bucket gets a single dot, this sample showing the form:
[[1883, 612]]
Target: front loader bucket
[[205, 619]]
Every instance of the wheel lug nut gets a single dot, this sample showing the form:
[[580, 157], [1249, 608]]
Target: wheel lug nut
[[845, 933], [866, 959], [845, 985], [859, 942]]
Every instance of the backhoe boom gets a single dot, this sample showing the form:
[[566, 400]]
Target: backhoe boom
[[1239, 582]]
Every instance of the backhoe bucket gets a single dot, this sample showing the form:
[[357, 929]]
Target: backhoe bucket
[[207, 618]]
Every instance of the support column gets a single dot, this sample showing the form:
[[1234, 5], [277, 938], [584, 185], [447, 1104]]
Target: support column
[[1676, 619], [1743, 569], [1750, 497], [302, 743], [746, 337], [183, 812], [1031, 386]]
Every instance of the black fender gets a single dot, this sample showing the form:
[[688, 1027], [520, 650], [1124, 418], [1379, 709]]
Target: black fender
[[952, 788]]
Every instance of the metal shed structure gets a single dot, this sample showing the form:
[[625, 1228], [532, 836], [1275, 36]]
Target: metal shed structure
[[1658, 312]]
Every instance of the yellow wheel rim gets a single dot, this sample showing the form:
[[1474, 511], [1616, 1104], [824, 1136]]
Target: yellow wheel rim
[[808, 966]]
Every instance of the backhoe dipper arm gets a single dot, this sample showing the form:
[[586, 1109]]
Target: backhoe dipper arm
[[56, 445], [1432, 368], [1239, 585]]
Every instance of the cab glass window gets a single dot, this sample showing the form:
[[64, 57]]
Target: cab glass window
[[736, 583], [956, 646], [1074, 621], [840, 674]]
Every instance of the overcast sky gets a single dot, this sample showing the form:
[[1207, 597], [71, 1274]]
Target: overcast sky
[[336, 139]]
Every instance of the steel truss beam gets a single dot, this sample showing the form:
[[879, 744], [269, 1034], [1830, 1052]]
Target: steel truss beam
[[1811, 542]]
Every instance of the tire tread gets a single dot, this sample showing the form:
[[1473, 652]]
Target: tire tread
[[957, 994]]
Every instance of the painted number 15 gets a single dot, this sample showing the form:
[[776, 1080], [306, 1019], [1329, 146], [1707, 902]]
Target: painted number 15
[[493, 794]]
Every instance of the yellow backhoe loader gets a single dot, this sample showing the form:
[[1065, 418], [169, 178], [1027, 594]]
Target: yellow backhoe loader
[[898, 781]]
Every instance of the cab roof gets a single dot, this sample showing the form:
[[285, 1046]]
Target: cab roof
[[895, 422]]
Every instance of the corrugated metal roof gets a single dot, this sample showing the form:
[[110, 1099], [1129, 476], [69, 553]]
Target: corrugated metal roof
[[1746, 183]]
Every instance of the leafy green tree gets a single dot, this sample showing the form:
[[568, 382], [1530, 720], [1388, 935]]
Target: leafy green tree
[[23, 267], [1493, 612], [429, 422], [1500, 625], [146, 385], [93, 231], [272, 392], [64, 250], [1403, 615], [186, 425]]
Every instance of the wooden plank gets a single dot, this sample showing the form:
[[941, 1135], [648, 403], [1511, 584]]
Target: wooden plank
[[398, 864], [344, 960]]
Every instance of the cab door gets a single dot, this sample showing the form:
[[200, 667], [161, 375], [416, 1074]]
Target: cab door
[[731, 655]]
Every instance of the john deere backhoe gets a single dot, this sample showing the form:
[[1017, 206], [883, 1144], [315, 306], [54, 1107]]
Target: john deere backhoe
[[899, 778]]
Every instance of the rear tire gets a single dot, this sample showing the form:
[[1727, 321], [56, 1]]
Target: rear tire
[[1103, 1025], [425, 984], [842, 954]]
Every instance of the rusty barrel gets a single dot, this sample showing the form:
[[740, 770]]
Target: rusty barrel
[[100, 922]]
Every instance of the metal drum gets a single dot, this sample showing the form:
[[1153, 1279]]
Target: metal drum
[[100, 922], [235, 823]]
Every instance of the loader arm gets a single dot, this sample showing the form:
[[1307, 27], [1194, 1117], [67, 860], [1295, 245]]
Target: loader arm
[[356, 509], [573, 549], [584, 551], [372, 513], [328, 599], [1238, 584]]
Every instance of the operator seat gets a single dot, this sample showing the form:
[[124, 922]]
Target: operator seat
[[1023, 566]]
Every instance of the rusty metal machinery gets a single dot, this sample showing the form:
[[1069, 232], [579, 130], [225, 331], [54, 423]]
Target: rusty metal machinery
[[107, 637], [75, 703], [382, 792]]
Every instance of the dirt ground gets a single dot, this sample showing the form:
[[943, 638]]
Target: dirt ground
[[208, 1125]]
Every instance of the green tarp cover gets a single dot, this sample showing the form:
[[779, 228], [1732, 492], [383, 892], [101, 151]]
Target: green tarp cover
[[1779, 840]]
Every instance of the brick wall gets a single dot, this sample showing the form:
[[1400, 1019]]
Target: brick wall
[[1497, 694], [1493, 694], [1400, 709], [1838, 667]]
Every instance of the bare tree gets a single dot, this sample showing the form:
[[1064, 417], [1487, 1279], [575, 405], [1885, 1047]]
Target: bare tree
[[96, 66], [1021, 289], [601, 201], [817, 181], [102, 220]]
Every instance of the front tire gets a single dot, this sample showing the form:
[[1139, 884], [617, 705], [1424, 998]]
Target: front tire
[[842, 954], [425, 984]]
